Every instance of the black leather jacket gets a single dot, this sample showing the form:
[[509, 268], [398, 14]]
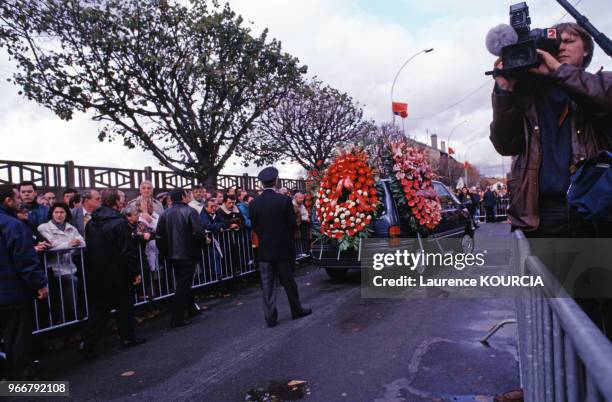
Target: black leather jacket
[[112, 257], [180, 235]]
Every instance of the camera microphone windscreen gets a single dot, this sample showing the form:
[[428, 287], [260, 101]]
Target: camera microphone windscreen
[[499, 37]]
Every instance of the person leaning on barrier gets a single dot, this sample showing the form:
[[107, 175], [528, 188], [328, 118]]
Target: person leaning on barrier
[[67, 194], [548, 121], [273, 219], [62, 236], [21, 280], [179, 237], [50, 196], [213, 225], [112, 271]]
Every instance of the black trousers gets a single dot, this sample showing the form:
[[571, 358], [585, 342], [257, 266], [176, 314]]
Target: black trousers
[[183, 298], [16, 330], [271, 270], [102, 299]]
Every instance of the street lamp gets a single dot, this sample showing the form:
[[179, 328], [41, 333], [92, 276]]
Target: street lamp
[[450, 179], [398, 73]]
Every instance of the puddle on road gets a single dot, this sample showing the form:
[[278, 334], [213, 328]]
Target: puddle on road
[[279, 391]]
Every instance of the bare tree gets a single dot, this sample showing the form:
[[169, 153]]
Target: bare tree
[[185, 83]]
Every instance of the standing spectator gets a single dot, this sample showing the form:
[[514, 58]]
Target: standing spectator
[[40, 243], [198, 200], [476, 202], [149, 218], [141, 235], [21, 279], [213, 224], [489, 203], [68, 194], [41, 200], [112, 272], [37, 214], [164, 199], [230, 212], [76, 201], [283, 191], [231, 192], [62, 236], [303, 228], [274, 222], [243, 207], [180, 237], [50, 196], [219, 197], [81, 216], [146, 192]]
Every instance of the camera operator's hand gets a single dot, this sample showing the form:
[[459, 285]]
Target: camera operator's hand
[[507, 84], [548, 65]]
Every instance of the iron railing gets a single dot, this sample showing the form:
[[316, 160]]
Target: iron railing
[[563, 355], [228, 254]]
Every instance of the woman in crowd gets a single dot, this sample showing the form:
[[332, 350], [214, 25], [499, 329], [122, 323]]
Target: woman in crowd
[[141, 235], [232, 216], [63, 282], [149, 218]]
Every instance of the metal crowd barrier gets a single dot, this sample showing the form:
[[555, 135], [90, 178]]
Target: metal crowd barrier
[[499, 211], [563, 355], [229, 254]]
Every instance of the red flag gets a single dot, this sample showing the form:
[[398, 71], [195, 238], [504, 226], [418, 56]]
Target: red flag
[[400, 109], [451, 151], [466, 165]]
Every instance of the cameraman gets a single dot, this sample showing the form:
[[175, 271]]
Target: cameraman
[[548, 119]]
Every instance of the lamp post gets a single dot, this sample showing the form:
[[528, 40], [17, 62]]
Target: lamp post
[[450, 179], [398, 73]]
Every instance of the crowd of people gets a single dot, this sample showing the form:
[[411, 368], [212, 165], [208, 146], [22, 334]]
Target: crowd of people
[[41, 235], [490, 203]]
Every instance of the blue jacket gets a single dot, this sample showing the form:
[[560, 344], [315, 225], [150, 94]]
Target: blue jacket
[[37, 214], [212, 225], [20, 272], [244, 210]]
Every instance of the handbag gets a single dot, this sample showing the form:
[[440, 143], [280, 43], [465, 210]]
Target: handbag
[[590, 190]]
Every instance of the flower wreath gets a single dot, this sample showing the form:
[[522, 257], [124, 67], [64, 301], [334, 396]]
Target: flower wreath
[[347, 199], [413, 191]]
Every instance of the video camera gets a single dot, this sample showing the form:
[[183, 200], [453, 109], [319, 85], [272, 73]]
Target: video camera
[[517, 43]]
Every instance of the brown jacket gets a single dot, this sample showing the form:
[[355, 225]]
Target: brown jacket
[[515, 132]]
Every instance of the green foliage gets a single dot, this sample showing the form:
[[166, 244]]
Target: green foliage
[[186, 83]]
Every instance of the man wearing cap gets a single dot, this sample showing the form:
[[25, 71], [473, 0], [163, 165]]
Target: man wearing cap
[[273, 220]]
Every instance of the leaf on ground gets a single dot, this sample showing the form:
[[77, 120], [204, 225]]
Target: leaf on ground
[[239, 303], [294, 383], [128, 373], [203, 307]]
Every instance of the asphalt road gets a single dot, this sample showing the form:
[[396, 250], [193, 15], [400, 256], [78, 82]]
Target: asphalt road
[[349, 349]]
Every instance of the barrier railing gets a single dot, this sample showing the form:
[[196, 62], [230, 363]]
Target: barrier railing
[[227, 255], [499, 211], [563, 355]]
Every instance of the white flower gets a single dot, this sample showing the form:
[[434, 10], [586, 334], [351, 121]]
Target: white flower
[[342, 215], [359, 191], [365, 193], [352, 224], [336, 220], [358, 220], [353, 218]]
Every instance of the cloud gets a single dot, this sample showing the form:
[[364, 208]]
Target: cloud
[[356, 46]]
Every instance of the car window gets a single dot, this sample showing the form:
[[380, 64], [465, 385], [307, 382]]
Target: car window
[[447, 199]]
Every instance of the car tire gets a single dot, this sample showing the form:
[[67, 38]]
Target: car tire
[[336, 273], [465, 244]]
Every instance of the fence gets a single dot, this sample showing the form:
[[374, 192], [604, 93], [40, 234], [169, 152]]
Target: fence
[[499, 211], [563, 356], [50, 177], [228, 255]]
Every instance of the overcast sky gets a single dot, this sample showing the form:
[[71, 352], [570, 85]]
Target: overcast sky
[[356, 46]]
